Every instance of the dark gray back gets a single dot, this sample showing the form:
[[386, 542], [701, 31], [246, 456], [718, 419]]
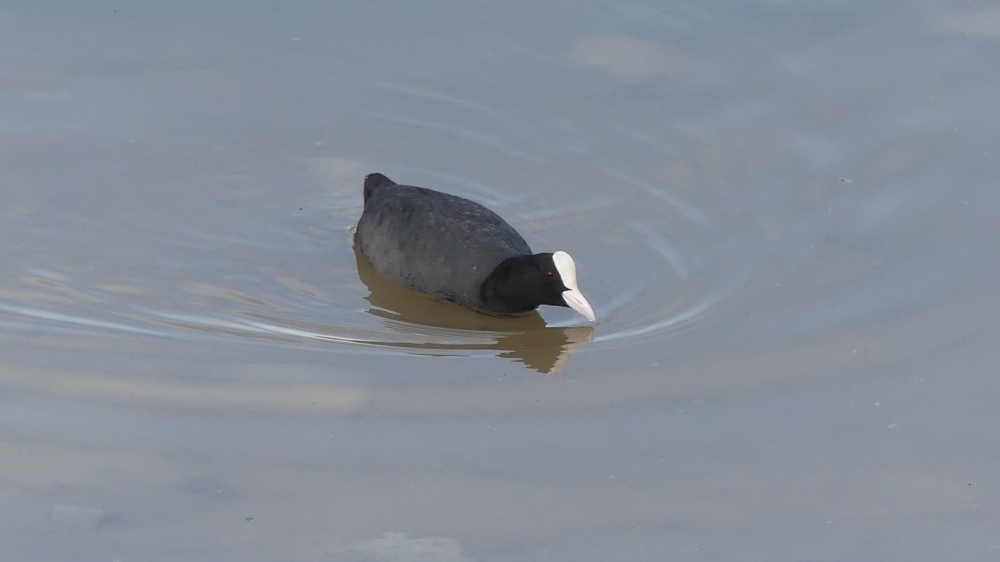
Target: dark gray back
[[433, 242]]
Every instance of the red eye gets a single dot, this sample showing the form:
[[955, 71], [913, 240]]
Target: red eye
[[550, 274]]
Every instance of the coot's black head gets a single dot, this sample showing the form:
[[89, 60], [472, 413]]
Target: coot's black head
[[521, 283]]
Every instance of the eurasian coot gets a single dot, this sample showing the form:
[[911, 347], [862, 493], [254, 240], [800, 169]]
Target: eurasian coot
[[458, 250]]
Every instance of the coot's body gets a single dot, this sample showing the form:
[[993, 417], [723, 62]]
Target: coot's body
[[459, 250]]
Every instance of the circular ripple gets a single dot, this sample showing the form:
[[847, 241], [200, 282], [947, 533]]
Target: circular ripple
[[651, 261]]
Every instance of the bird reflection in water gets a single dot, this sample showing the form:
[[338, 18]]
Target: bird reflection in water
[[524, 338]]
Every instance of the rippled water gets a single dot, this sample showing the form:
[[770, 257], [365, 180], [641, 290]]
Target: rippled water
[[781, 213]]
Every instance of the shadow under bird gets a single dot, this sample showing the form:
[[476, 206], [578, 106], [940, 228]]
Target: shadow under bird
[[459, 250]]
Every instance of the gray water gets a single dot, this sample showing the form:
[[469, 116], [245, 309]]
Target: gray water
[[784, 214]]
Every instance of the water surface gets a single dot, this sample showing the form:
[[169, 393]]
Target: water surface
[[782, 213]]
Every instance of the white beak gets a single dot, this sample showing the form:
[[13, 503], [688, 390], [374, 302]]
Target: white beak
[[572, 295], [574, 298]]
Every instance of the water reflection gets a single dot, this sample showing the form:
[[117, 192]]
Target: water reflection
[[523, 338]]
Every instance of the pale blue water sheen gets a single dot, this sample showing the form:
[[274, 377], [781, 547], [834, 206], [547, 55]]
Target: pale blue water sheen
[[784, 214]]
